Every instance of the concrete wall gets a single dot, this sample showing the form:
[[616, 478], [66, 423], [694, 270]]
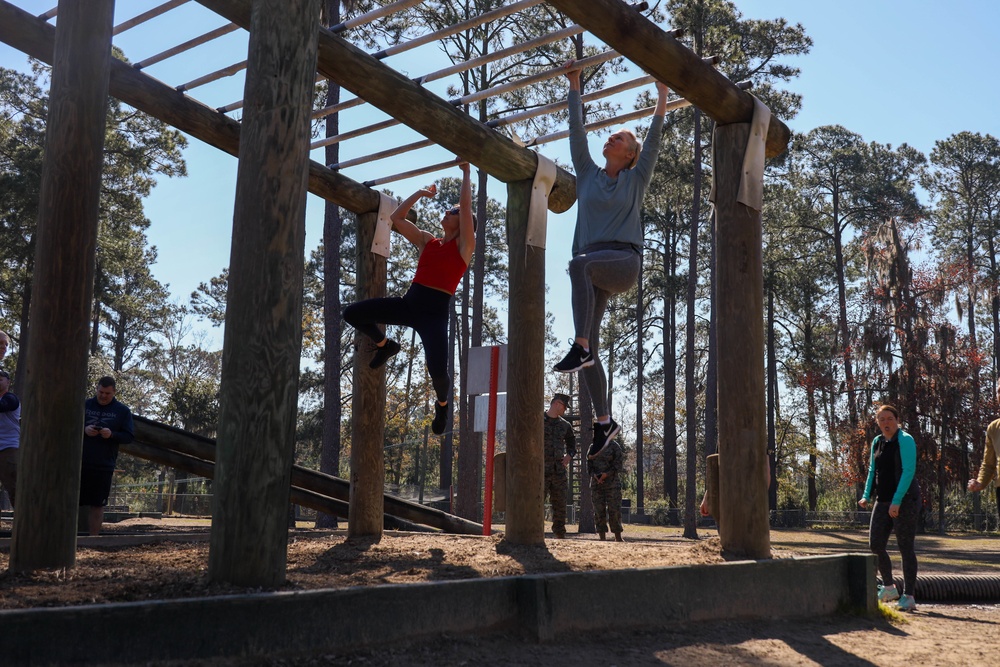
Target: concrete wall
[[539, 606]]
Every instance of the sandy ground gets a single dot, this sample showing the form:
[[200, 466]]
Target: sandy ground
[[936, 634]]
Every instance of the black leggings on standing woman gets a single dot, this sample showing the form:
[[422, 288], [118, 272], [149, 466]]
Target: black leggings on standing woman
[[423, 309], [905, 527]]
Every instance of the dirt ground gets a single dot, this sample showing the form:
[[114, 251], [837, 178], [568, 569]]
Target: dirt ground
[[109, 570]]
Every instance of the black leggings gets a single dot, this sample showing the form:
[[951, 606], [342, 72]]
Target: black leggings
[[905, 527], [423, 309]]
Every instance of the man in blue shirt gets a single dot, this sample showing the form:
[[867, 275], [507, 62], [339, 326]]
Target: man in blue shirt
[[107, 424]]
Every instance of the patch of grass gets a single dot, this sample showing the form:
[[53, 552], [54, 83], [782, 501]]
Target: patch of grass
[[889, 613]]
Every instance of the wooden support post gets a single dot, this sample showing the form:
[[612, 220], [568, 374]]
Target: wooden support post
[[263, 340], [368, 406], [525, 364], [44, 534], [743, 512]]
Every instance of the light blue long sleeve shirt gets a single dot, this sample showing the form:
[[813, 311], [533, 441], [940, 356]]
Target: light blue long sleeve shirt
[[607, 209]]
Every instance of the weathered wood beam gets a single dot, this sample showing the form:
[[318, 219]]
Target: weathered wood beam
[[368, 405], [36, 38], [654, 50], [44, 534], [196, 454], [261, 351], [743, 515], [421, 110], [525, 376]]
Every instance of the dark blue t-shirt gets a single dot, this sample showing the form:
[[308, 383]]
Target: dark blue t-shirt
[[102, 453]]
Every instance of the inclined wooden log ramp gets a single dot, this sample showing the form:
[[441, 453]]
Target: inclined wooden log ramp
[[195, 454]]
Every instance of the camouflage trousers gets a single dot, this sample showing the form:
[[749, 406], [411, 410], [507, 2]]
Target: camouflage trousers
[[607, 505], [555, 489]]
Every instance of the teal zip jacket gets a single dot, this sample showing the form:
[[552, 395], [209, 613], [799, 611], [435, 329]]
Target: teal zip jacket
[[907, 459]]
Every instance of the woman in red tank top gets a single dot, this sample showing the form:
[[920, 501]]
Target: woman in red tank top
[[427, 304]]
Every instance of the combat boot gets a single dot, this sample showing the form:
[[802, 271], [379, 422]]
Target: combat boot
[[618, 537], [603, 536]]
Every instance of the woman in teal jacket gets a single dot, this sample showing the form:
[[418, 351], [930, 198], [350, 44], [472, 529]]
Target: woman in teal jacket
[[897, 504]]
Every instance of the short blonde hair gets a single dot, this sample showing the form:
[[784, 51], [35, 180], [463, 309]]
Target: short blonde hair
[[634, 142]]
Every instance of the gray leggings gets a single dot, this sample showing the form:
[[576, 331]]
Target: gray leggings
[[595, 277], [905, 527]]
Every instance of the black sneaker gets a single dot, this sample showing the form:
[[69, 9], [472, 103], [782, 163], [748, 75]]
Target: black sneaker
[[440, 417], [384, 353], [576, 359], [604, 434]]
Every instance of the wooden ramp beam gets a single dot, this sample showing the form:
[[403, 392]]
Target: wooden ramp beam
[[193, 453]]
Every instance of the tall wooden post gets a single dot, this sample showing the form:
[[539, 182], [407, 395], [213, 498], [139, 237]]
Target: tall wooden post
[[263, 339], [743, 513], [525, 364], [48, 484], [365, 515]]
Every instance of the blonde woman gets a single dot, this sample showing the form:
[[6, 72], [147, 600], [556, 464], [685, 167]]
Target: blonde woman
[[608, 238]]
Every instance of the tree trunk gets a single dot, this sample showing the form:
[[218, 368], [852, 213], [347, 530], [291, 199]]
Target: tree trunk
[[44, 534], [772, 389], [690, 403], [978, 432], [586, 522], [470, 451], [712, 365], [470, 465], [95, 329], [21, 375], [258, 396], [743, 515], [845, 333], [995, 308], [640, 502], [408, 409], [807, 344], [670, 374], [333, 233], [525, 363]]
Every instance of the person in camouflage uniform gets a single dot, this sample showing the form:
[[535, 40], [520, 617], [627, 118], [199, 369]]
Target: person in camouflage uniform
[[560, 447], [605, 465]]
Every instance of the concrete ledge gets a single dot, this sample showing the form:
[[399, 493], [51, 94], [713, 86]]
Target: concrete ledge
[[539, 606]]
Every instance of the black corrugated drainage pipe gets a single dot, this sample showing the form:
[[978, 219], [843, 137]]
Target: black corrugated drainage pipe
[[955, 588]]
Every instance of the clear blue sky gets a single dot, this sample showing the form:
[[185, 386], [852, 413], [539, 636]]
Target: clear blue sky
[[894, 71]]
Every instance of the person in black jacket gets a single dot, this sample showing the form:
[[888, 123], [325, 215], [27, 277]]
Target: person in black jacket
[[107, 424]]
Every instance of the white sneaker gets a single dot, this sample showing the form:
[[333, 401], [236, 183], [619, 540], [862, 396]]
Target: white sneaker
[[887, 593]]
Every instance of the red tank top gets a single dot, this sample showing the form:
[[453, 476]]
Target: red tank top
[[440, 266]]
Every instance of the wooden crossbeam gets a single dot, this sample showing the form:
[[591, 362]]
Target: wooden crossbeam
[[654, 50], [36, 38], [419, 109], [187, 46], [146, 16]]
